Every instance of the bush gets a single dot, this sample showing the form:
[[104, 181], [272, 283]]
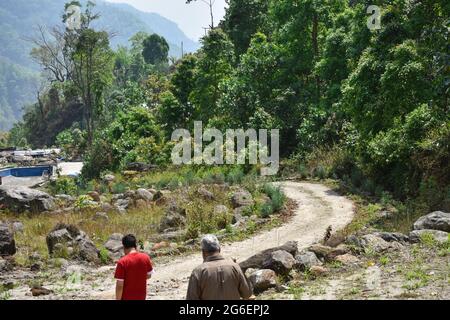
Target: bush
[[64, 185]]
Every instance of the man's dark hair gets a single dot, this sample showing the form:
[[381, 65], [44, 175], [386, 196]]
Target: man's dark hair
[[129, 241]]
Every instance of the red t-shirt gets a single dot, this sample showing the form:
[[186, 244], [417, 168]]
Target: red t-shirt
[[133, 270]]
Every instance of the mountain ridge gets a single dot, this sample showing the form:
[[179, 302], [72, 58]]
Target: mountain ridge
[[19, 20]]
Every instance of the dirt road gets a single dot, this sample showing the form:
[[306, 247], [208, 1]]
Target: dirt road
[[318, 208]]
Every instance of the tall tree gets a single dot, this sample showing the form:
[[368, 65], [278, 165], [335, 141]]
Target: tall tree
[[155, 49]]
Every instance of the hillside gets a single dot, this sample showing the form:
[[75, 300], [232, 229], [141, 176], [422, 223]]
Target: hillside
[[18, 22]]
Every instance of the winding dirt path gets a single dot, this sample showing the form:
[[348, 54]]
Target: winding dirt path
[[318, 208]]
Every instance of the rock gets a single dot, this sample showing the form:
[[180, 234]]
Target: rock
[[371, 241], [207, 195], [392, 236], [318, 271], [75, 240], [123, 204], [220, 209], [279, 261], [173, 235], [101, 216], [37, 291], [258, 259], [237, 217], [35, 267], [7, 243], [328, 253], [441, 237], [94, 195], [437, 220], [304, 261], [21, 199], [144, 194], [241, 198], [5, 265], [158, 196], [335, 240], [109, 178], [17, 227], [65, 198], [347, 259], [140, 167], [114, 246], [106, 207], [262, 280], [172, 219]]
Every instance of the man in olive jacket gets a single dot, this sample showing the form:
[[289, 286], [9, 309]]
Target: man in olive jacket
[[217, 278]]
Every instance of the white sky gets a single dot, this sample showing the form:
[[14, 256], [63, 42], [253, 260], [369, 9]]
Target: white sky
[[191, 18]]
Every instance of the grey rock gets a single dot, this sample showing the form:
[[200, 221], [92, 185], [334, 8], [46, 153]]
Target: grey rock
[[305, 260], [207, 195], [66, 198], [101, 216], [258, 259], [437, 220], [220, 209], [392, 236], [262, 280], [5, 265], [438, 235], [123, 204], [22, 199], [242, 198], [109, 178], [7, 243], [144, 194], [77, 242], [17, 227], [94, 195], [279, 261], [172, 219]]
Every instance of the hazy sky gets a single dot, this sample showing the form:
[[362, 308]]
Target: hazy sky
[[191, 18]]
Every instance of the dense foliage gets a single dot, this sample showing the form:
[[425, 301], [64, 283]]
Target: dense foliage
[[366, 106]]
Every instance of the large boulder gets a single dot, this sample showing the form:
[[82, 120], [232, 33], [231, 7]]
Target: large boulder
[[392, 236], [328, 253], [5, 265], [305, 260], [175, 218], [22, 199], [143, 194], [114, 246], [437, 220], [262, 280], [438, 235], [258, 259], [241, 198], [373, 242], [7, 243], [279, 261], [76, 241]]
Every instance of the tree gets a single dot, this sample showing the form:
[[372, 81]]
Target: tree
[[215, 64], [92, 61], [155, 50], [243, 19]]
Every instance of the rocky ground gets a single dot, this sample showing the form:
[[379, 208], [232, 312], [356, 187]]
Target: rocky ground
[[302, 259]]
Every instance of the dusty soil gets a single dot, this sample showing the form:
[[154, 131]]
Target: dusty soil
[[318, 208]]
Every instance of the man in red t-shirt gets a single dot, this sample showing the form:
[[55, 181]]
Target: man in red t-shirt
[[132, 272]]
